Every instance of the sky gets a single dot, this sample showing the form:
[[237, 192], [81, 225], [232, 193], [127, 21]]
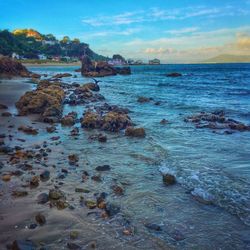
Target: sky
[[171, 30]]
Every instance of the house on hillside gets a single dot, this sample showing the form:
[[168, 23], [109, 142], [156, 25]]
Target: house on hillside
[[42, 57], [15, 56], [44, 42], [154, 61], [116, 62]]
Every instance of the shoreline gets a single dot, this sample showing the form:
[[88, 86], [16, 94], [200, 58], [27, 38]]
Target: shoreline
[[50, 64]]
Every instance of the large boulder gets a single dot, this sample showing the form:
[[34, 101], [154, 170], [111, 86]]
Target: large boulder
[[45, 101], [9, 67]]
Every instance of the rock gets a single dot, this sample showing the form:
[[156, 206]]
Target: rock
[[96, 178], [103, 168], [6, 177], [102, 138], [32, 226], [23, 245], [153, 226], [34, 182], [163, 121], [73, 159], [19, 193], [28, 130], [10, 67], [81, 190], [118, 190], [74, 132], [69, 119], [55, 194], [2, 106], [51, 129], [6, 149], [73, 246], [91, 86], [60, 204], [6, 114], [168, 179], [46, 101], [174, 74], [90, 204], [112, 209], [42, 198], [73, 235], [123, 70], [91, 120], [44, 176], [135, 132], [142, 99], [61, 75], [40, 219]]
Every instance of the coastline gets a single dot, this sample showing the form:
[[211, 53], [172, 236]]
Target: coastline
[[51, 64]]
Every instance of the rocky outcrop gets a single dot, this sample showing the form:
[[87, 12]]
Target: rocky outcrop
[[9, 68], [100, 69], [69, 119], [45, 100], [217, 121], [61, 75], [111, 121]]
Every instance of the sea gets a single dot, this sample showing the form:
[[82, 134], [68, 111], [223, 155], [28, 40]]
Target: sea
[[209, 164]]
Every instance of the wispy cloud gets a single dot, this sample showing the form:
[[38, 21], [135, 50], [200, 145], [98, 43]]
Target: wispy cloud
[[182, 31], [156, 14]]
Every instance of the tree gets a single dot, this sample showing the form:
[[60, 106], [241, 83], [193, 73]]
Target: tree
[[65, 40]]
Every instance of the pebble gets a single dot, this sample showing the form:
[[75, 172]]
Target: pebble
[[40, 219], [42, 198]]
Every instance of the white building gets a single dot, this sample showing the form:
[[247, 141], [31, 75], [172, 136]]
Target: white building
[[42, 57], [15, 55]]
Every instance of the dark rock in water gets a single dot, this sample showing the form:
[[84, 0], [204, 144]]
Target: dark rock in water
[[69, 119], [73, 246], [102, 138], [112, 209], [60, 204], [73, 235], [118, 190], [164, 121], [168, 179], [6, 149], [32, 226], [44, 176], [90, 204], [2, 106], [10, 67], [73, 159], [96, 178], [135, 132], [6, 114], [153, 226], [61, 75], [103, 168], [81, 190], [74, 132], [23, 245], [91, 86], [51, 129], [174, 74], [142, 99], [40, 219], [42, 198], [28, 130]]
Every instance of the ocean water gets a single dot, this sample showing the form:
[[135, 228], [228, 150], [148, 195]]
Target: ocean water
[[215, 166]]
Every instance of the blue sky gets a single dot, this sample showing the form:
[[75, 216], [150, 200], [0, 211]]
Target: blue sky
[[174, 31]]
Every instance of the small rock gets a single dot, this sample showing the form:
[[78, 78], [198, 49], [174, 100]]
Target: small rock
[[102, 138], [112, 209], [90, 204], [163, 121], [28, 130], [42, 198], [73, 159], [96, 178], [19, 193], [44, 176], [135, 132], [32, 226], [6, 177], [40, 219], [34, 182], [73, 235], [173, 74], [74, 132], [6, 114], [118, 190], [55, 194], [61, 204], [23, 245], [142, 99], [81, 190], [2, 106], [51, 129], [73, 246], [168, 179], [103, 168]]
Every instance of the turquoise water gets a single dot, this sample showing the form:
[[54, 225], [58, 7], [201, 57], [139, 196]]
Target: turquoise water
[[211, 164]]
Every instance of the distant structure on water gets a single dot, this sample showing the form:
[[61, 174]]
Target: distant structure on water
[[154, 61]]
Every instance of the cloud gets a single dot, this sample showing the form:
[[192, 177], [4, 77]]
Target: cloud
[[182, 31], [159, 51], [243, 42], [156, 14]]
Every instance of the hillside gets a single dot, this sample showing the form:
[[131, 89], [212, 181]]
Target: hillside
[[224, 58], [29, 44]]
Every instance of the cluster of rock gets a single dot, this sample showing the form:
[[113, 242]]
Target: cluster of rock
[[217, 120], [9, 67], [46, 100], [100, 69]]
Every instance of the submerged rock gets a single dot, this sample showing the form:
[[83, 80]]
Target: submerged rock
[[23, 245], [28, 130], [40, 219], [142, 99], [153, 226], [135, 132], [2, 106], [73, 158], [174, 74], [42, 198], [61, 75], [45, 175], [55, 194], [168, 179], [103, 168]]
